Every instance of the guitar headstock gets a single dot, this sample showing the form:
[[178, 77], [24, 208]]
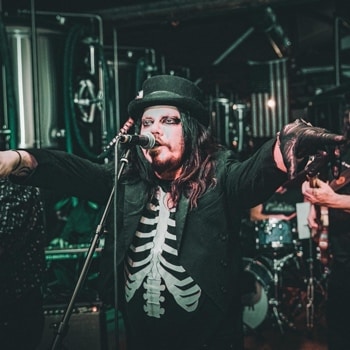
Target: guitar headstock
[[316, 164]]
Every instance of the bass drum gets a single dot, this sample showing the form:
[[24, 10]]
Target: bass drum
[[257, 280]]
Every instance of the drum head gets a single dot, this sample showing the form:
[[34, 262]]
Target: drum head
[[255, 314], [255, 299]]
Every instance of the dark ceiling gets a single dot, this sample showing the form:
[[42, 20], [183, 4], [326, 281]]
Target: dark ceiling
[[214, 39]]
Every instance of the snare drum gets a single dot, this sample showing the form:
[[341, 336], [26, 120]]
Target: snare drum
[[274, 234], [256, 303]]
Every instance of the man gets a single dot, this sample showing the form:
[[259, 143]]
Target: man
[[334, 197], [22, 266], [178, 212]]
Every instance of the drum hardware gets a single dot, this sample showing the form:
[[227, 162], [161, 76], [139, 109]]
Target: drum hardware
[[258, 305], [275, 301], [310, 304], [313, 282], [276, 237], [310, 290], [291, 290]]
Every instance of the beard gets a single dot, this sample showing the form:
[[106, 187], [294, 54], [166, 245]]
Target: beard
[[166, 168]]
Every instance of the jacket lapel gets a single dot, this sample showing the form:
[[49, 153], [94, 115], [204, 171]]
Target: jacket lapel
[[180, 218], [134, 201]]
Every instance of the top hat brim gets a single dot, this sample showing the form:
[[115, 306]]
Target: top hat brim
[[165, 98]]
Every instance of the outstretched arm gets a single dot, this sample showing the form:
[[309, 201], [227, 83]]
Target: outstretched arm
[[299, 140], [59, 171], [277, 155], [16, 162]]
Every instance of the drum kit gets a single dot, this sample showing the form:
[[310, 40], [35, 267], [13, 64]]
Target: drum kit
[[286, 277]]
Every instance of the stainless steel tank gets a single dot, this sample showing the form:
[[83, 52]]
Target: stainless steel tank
[[38, 104]]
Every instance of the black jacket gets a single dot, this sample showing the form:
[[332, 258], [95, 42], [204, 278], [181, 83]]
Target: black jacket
[[207, 236]]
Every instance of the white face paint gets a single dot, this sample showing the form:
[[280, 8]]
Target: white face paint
[[164, 122]]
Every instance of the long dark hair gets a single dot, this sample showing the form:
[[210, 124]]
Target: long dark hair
[[198, 162]]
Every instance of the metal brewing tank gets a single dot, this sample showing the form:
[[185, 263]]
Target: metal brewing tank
[[38, 105]]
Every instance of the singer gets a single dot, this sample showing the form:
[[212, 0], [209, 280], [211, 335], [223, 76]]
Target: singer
[[178, 214]]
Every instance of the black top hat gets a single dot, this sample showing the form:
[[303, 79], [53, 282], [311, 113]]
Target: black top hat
[[173, 91]]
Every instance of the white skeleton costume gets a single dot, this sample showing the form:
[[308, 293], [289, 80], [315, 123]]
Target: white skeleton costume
[[152, 262]]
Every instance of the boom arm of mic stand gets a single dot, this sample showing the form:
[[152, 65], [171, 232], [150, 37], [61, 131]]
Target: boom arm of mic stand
[[62, 328]]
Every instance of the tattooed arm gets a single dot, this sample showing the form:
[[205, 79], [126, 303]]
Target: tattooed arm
[[16, 162]]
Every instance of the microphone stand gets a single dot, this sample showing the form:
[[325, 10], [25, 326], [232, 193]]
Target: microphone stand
[[62, 328]]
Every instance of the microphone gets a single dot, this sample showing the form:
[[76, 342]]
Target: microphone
[[146, 140]]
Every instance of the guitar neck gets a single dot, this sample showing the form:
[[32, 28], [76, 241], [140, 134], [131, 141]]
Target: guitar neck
[[321, 234], [313, 181]]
